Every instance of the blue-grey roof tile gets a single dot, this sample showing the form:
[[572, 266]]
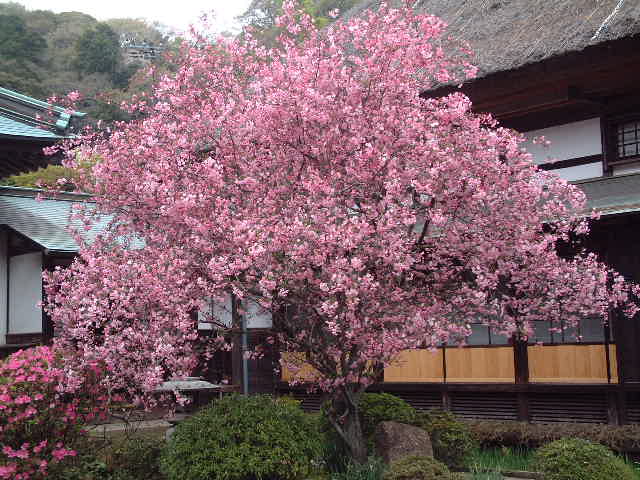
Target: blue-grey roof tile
[[45, 221], [14, 128]]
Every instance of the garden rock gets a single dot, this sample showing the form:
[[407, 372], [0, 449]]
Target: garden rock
[[394, 441]]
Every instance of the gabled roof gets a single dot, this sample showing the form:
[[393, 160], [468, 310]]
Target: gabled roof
[[45, 221], [26, 118], [508, 34]]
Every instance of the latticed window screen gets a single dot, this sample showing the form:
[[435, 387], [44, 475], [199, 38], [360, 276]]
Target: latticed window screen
[[629, 139]]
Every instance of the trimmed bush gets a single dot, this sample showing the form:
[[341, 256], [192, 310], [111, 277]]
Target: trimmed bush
[[420, 468], [452, 440], [383, 407], [492, 433], [242, 438], [577, 459]]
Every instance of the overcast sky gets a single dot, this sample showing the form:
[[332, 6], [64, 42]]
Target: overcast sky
[[178, 15]]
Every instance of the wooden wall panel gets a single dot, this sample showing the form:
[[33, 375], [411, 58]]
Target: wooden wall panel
[[568, 364], [306, 372], [494, 365], [416, 366]]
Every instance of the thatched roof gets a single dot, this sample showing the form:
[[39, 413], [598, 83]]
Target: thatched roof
[[507, 34]]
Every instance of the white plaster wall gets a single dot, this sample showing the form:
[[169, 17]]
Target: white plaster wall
[[580, 172], [3, 287], [221, 312], [25, 293], [571, 140], [257, 317]]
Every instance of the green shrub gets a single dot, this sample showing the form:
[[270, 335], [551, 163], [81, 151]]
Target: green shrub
[[578, 459], [134, 458], [383, 407], [496, 434], [419, 468], [137, 458], [85, 467], [243, 438], [453, 441]]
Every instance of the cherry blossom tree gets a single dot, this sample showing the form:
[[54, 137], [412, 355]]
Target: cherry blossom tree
[[316, 182]]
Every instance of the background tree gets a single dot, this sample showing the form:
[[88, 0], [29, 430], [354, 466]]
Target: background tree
[[98, 50], [21, 53], [313, 181], [17, 41], [262, 15]]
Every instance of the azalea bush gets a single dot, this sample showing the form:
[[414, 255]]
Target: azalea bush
[[42, 412]]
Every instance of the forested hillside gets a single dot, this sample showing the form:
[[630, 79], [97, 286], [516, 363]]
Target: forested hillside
[[43, 53]]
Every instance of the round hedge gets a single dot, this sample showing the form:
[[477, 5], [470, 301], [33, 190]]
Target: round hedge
[[452, 440], [577, 459], [242, 438], [419, 468], [383, 407]]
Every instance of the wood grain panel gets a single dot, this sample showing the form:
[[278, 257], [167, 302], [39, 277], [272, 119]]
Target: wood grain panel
[[305, 372], [568, 364], [493, 365], [416, 366]]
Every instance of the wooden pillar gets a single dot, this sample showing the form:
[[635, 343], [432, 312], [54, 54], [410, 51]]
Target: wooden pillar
[[236, 352], [521, 367]]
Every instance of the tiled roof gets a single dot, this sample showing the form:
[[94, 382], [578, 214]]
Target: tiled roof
[[43, 221], [15, 128], [26, 117], [612, 195]]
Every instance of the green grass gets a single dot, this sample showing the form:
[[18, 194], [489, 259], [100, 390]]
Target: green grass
[[634, 465], [496, 460], [487, 464]]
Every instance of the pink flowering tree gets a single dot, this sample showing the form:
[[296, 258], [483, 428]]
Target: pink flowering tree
[[316, 182]]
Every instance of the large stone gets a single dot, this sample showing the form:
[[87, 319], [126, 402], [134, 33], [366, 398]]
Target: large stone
[[394, 441]]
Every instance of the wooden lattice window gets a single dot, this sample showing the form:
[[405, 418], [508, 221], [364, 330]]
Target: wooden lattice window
[[628, 139]]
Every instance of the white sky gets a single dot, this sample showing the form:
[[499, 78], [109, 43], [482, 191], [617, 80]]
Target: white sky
[[176, 14]]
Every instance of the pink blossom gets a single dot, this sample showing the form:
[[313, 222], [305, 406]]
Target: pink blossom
[[317, 184]]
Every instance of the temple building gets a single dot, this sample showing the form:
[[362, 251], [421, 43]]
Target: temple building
[[33, 233]]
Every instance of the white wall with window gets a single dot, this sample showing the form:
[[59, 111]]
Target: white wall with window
[[569, 141]]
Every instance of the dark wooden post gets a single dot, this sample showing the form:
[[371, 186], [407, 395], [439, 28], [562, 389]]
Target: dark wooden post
[[236, 352], [521, 367]]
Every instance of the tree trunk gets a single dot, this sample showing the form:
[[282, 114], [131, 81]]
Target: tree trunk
[[345, 418]]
